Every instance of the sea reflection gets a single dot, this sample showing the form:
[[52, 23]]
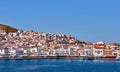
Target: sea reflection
[[59, 66]]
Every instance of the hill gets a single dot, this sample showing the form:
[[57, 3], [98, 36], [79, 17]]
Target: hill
[[7, 29]]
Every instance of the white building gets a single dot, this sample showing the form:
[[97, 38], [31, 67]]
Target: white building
[[2, 52], [98, 50]]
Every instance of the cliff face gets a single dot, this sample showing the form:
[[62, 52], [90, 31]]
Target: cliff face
[[7, 29]]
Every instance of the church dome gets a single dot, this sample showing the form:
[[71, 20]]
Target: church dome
[[100, 42]]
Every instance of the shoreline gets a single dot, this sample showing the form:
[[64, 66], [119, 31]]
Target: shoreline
[[58, 58]]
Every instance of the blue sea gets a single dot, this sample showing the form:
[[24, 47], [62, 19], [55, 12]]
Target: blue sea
[[58, 66]]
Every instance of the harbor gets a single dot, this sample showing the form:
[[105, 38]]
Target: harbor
[[21, 44]]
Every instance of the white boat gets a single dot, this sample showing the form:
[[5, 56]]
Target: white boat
[[117, 58]]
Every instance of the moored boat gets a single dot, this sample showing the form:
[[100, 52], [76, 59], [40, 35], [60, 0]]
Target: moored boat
[[117, 58], [88, 58]]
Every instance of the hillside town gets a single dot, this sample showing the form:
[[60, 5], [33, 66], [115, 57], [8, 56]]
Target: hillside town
[[33, 44]]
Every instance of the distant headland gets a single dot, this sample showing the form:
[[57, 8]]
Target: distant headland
[[20, 44]]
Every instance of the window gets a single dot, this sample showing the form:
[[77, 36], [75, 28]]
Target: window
[[98, 52]]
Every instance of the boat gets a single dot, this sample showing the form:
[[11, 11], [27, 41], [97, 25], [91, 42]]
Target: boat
[[112, 56], [117, 58], [88, 58]]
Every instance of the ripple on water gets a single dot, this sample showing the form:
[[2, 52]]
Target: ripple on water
[[34, 67], [58, 66]]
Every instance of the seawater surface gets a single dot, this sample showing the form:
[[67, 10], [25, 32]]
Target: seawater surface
[[58, 66]]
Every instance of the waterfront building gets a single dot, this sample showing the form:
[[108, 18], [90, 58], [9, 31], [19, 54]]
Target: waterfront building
[[2, 52], [113, 46], [59, 52], [115, 52], [118, 52], [98, 50], [83, 53], [89, 49], [19, 52], [108, 53], [33, 51]]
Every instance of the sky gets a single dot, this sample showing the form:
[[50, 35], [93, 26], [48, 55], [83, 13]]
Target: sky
[[86, 20]]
